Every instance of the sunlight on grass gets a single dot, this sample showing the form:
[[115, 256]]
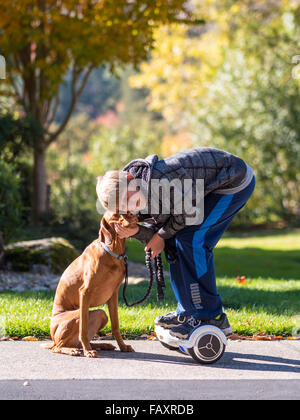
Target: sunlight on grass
[[266, 302], [26, 313], [289, 241]]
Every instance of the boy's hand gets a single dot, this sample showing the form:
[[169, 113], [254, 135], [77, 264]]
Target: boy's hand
[[125, 232], [156, 244]]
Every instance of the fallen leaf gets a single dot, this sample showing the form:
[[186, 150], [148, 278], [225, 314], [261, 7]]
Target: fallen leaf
[[29, 338], [241, 279], [152, 337], [262, 338], [234, 337]]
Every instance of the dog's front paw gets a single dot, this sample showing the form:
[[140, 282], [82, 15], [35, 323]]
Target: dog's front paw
[[127, 349], [91, 353], [75, 352]]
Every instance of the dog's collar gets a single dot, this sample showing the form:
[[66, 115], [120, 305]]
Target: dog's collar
[[119, 257]]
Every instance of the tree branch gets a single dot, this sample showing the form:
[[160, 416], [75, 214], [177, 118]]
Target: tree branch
[[50, 120], [75, 96]]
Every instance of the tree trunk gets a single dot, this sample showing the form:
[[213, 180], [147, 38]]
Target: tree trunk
[[40, 185]]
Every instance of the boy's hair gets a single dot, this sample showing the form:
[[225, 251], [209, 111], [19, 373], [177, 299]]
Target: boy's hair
[[111, 189]]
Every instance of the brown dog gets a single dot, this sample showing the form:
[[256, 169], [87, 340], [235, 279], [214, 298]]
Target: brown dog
[[93, 279]]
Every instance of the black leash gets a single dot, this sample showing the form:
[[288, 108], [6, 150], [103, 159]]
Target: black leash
[[159, 273], [156, 269]]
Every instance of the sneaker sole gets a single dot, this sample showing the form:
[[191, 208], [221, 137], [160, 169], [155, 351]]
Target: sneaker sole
[[166, 326], [178, 335]]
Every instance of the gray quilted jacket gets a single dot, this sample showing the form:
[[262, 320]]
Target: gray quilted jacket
[[219, 170]]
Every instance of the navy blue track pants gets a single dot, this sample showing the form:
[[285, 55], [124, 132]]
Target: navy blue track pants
[[193, 275]]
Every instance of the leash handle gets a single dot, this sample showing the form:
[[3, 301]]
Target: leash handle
[[170, 253]]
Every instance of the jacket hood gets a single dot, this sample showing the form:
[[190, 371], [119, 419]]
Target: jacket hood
[[142, 168]]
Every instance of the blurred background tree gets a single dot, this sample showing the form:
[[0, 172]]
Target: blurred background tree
[[44, 40]]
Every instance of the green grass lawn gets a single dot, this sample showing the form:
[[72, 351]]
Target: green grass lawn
[[266, 302]]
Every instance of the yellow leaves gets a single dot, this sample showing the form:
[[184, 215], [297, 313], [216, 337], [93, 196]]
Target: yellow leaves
[[235, 8], [16, 115], [99, 32], [292, 4], [176, 143], [180, 69]]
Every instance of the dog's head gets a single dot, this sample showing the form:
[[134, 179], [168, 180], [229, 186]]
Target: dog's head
[[108, 221], [126, 220]]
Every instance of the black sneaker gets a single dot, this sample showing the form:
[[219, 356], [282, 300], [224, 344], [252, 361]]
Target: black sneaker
[[171, 320], [183, 331]]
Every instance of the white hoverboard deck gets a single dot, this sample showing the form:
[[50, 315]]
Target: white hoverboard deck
[[205, 351]]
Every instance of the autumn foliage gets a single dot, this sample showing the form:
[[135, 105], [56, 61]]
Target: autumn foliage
[[44, 40]]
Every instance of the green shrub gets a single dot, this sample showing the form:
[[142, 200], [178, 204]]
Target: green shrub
[[10, 201]]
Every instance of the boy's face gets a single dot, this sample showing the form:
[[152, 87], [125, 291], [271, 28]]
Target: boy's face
[[136, 201]]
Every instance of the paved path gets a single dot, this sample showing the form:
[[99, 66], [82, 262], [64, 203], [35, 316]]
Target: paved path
[[248, 370]]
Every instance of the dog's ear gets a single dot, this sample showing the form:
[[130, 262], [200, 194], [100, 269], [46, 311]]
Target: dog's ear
[[104, 233]]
